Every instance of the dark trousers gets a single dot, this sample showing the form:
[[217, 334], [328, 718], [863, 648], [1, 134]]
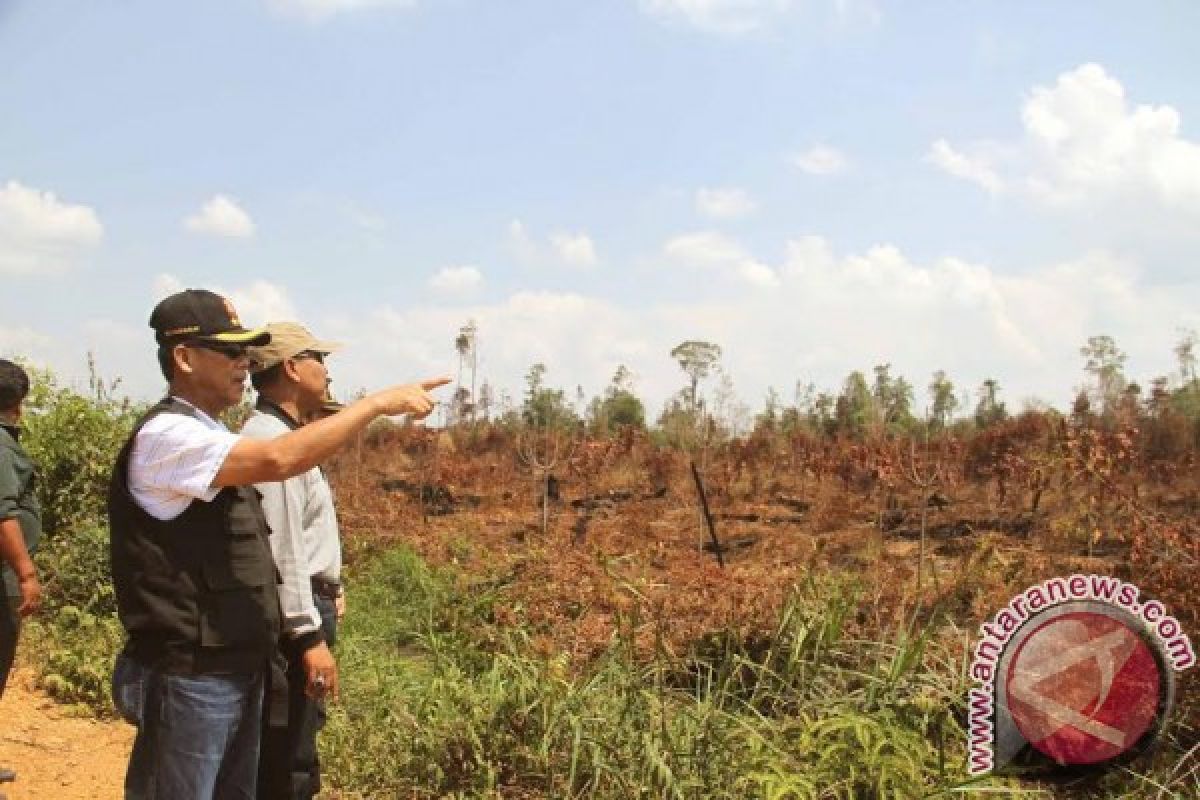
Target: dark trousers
[[288, 768], [10, 625]]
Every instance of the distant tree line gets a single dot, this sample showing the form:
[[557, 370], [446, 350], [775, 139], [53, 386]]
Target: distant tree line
[[874, 404]]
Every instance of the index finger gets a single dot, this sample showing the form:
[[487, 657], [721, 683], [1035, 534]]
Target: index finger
[[433, 383]]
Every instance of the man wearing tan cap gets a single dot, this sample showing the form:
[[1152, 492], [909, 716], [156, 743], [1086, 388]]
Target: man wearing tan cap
[[191, 559], [292, 382]]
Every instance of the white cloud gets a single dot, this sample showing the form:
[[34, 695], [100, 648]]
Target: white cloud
[[727, 203], [713, 251], [851, 12], [39, 233], [221, 216], [165, 285], [580, 339], [257, 303], [560, 247], [726, 17], [757, 273], [826, 313], [319, 10], [880, 306], [261, 302], [456, 280], [1088, 139], [898, 304], [732, 18], [830, 313], [23, 342], [1084, 145], [975, 169], [575, 249], [522, 243], [706, 248], [819, 160]]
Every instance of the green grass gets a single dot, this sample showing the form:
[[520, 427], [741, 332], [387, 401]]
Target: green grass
[[438, 702]]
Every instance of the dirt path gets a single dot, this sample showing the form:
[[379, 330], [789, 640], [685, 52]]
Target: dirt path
[[58, 756]]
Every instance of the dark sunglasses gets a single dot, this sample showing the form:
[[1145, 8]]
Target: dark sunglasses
[[313, 354], [228, 349]]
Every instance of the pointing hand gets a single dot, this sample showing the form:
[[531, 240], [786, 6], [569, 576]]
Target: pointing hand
[[410, 398]]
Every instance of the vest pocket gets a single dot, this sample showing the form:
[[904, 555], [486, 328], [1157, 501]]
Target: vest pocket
[[233, 602], [242, 563], [245, 558], [237, 598], [234, 618]]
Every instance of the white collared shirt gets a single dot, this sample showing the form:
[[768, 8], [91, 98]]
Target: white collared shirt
[[175, 459], [304, 532]]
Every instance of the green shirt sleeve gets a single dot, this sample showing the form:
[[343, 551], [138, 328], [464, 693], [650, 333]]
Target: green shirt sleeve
[[10, 488]]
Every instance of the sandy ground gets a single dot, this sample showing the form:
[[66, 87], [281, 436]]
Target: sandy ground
[[58, 755]]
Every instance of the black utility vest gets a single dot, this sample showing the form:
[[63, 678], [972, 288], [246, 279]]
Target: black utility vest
[[197, 593]]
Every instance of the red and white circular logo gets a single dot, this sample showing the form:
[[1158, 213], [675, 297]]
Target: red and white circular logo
[[1083, 687]]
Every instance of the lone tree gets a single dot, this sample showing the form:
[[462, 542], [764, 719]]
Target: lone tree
[[854, 408], [1185, 351], [990, 409], [941, 391], [465, 345], [696, 359], [892, 408], [545, 408], [1106, 364], [618, 406]]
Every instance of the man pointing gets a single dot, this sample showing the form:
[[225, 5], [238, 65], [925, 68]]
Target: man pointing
[[191, 561]]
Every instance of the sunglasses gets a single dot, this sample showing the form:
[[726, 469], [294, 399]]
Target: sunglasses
[[312, 354], [228, 349]]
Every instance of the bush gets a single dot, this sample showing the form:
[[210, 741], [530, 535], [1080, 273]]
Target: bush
[[74, 651], [74, 571], [74, 440], [77, 635]]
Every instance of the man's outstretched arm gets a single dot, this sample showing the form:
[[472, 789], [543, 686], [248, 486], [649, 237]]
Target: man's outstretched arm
[[269, 460]]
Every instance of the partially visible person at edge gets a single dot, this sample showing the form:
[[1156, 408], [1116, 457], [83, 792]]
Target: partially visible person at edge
[[192, 566], [20, 524], [292, 382]]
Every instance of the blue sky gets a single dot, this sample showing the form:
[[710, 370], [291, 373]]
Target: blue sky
[[817, 185]]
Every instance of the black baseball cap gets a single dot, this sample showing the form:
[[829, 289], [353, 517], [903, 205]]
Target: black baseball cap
[[201, 314]]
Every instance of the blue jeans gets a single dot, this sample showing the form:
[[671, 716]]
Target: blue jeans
[[197, 735]]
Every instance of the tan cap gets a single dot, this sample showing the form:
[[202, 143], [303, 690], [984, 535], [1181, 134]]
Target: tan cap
[[288, 339]]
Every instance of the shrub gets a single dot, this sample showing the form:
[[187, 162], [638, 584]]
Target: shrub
[[74, 440], [74, 652], [74, 571]]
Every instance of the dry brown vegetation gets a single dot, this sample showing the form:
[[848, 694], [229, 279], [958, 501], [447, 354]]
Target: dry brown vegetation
[[991, 511]]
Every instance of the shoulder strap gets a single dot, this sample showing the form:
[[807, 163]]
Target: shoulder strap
[[267, 407]]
